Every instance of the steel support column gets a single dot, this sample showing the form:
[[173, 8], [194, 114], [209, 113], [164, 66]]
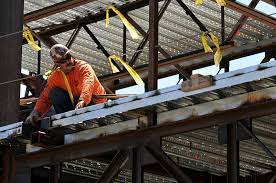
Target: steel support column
[[8, 166], [114, 167], [11, 18], [153, 55], [39, 59], [222, 24], [124, 43], [55, 173], [153, 45], [167, 163], [232, 153], [137, 171]]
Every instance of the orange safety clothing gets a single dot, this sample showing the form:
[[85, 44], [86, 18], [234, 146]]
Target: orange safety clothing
[[83, 82]]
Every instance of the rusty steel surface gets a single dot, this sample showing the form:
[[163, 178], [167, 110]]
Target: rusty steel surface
[[196, 149]]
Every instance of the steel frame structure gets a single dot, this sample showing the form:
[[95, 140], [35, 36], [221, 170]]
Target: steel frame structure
[[134, 139]]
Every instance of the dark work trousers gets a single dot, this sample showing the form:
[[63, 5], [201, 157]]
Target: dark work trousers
[[61, 100]]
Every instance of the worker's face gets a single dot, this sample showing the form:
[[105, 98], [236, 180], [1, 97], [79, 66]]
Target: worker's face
[[66, 65]]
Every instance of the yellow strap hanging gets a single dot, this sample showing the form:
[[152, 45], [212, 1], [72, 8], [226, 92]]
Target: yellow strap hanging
[[198, 2], [131, 71], [219, 2], [68, 87], [130, 27], [207, 48], [29, 37]]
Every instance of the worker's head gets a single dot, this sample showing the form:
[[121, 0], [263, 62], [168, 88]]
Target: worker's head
[[61, 56]]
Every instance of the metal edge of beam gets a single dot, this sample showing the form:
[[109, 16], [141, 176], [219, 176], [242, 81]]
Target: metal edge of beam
[[15, 129], [57, 29], [132, 138], [114, 167], [242, 20], [184, 113], [53, 9], [155, 97], [167, 163], [189, 61], [268, 20]]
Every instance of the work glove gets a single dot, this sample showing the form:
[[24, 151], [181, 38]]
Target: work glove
[[33, 117], [80, 104]]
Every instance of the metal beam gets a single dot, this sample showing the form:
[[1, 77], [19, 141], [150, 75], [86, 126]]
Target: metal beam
[[153, 45], [131, 138], [235, 6], [163, 95], [100, 46], [222, 20], [261, 144], [191, 14], [8, 165], [73, 37], [241, 21], [55, 171], [229, 103], [39, 59], [189, 61], [167, 163], [269, 54], [232, 153], [137, 170], [153, 57], [114, 167], [57, 29], [124, 43], [146, 34], [11, 18], [53, 9]]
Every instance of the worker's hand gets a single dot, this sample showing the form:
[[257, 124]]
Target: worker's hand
[[80, 104], [33, 117]]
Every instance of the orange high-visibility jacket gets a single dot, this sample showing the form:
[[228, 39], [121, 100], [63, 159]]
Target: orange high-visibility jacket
[[83, 82]]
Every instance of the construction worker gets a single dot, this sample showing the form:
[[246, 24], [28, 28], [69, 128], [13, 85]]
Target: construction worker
[[81, 78]]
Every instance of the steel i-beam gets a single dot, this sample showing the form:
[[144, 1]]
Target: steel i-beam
[[114, 167], [232, 153], [167, 163], [100, 46]]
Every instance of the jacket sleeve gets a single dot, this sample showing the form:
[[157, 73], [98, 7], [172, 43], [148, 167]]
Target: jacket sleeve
[[87, 81], [43, 104]]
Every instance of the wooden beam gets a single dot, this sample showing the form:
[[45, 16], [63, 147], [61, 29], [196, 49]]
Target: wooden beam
[[53, 9]]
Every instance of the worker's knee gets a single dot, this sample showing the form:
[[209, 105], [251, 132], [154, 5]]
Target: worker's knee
[[56, 94]]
